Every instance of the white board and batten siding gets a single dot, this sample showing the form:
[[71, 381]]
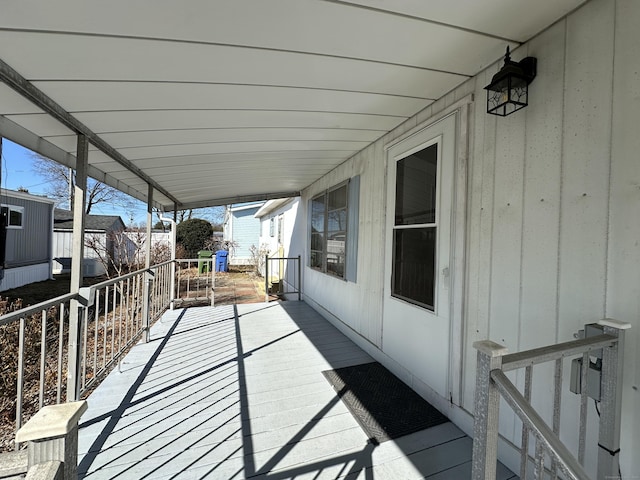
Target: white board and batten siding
[[552, 224]]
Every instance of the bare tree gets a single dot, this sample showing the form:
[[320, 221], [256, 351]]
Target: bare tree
[[61, 185]]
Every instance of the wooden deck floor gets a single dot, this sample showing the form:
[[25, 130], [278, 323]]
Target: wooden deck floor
[[237, 392]]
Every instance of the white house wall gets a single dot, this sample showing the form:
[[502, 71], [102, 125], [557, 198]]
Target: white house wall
[[553, 209]]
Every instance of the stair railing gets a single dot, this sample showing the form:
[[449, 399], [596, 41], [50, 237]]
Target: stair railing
[[492, 383]]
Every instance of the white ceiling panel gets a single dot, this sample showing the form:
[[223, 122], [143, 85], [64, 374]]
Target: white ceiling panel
[[517, 20], [66, 57], [191, 119], [126, 96], [221, 99]]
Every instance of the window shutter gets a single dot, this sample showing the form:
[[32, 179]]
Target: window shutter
[[352, 229]]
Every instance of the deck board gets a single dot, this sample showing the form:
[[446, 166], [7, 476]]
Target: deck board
[[237, 392]]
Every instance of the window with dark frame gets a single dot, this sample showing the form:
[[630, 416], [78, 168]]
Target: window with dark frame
[[329, 214], [415, 228]]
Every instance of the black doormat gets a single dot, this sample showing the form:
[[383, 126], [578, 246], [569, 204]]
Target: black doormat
[[383, 405]]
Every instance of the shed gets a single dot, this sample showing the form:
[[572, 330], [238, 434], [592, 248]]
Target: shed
[[26, 233], [100, 241]]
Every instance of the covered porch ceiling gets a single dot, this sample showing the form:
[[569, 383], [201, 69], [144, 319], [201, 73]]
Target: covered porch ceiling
[[219, 101]]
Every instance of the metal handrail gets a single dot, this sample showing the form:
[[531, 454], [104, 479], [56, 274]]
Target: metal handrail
[[537, 425], [491, 383], [8, 318]]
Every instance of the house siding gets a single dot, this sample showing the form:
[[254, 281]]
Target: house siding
[[245, 231], [32, 243], [553, 202]]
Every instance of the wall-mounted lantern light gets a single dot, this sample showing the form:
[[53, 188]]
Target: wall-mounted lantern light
[[508, 91]]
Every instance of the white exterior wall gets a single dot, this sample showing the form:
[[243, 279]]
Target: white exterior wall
[[19, 276], [552, 222], [293, 234]]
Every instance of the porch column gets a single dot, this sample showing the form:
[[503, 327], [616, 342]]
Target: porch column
[[146, 309], [77, 254], [147, 260]]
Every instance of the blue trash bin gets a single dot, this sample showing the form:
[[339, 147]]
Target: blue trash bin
[[221, 261]]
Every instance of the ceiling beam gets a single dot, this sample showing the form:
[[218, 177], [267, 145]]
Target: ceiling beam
[[27, 90]]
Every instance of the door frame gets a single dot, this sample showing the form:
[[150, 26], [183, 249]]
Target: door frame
[[463, 110]]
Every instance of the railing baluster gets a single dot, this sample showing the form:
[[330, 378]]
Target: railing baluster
[[43, 356], [582, 434], [20, 381], [84, 353], [538, 470], [60, 350], [104, 324], [96, 325], [524, 450], [557, 403], [113, 321]]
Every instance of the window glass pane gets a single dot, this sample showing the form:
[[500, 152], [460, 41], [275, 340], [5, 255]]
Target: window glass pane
[[15, 218], [337, 220], [416, 177], [414, 265], [317, 214], [338, 198], [317, 241], [335, 262], [316, 259]]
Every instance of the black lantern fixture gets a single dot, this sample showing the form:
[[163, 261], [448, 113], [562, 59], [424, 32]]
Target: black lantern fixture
[[508, 91]]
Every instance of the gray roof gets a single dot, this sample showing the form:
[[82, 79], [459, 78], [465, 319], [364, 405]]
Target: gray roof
[[63, 220]]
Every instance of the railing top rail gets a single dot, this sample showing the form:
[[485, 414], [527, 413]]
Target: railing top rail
[[513, 361], [283, 258], [111, 281], [37, 308], [530, 417], [204, 259]]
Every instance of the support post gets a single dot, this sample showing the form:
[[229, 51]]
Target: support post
[[77, 255], [611, 400], [487, 403], [52, 434], [146, 307]]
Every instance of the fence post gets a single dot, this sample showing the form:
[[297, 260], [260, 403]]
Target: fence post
[[487, 403], [611, 400]]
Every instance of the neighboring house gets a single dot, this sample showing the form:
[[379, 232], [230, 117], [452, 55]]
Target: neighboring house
[[25, 239], [278, 225], [102, 241], [280, 237], [243, 230]]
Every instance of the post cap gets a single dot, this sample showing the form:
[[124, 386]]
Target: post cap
[[52, 421], [613, 323], [491, 349]]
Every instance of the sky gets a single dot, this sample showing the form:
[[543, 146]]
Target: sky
[[17, 171]]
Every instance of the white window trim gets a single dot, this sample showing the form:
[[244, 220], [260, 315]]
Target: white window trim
[[14, 208]]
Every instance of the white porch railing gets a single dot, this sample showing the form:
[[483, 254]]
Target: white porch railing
[[112, 317], [492, 383]]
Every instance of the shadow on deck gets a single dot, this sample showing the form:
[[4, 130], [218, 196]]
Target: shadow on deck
[[237, 392]]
